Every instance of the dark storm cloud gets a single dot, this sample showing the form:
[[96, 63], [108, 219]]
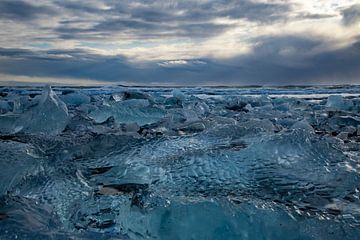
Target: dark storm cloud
[[138, 19], [164, 11], [144, 19], [202, 11], [315, 16], [258, 12], [78, 6], [28, 55], [22, 11], [293, 60], [64, 63], [275, 61], [271, 63], [351, 15], [13, 52], [135, 29], [141, 29]]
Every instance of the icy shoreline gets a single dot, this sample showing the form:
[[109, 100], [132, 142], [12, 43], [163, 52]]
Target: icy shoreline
[[262, 163]]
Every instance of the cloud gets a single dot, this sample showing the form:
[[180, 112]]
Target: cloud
[[23, 11], [182, 62], [81, 7], [147, 19], [74, 63], [351, 15], [142, 30], [271, 63], [191, 42], [315, 16], [302, 64]]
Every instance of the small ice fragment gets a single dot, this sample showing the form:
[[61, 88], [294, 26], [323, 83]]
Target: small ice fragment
[[201, 108], [304, 125], [190, 115], [338, 102], [343, 135], [17, 161], [248, 107], [178, 94], [137, 103], [264, 124], [117, 97], [8, 123], [75, 99], [236, 105], [100, 115], [350, 129], [140, 115], [224, 120], [130, 127], [127, 95], [4, 107], [283, 107], [136, 111], [193, 127]]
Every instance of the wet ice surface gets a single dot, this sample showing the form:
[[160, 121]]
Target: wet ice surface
[[192, 163]]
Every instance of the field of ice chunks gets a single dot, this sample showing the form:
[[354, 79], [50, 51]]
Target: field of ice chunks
[[191, 163]]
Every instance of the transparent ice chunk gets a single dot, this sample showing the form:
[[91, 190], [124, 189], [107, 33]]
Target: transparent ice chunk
[[4, 107], [338, 102], [302, 125], [18, 161], [49, 116], [178, 94], [136, 111], [75, 99]]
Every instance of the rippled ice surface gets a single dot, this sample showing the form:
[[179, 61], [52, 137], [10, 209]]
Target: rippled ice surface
[[192, 163]]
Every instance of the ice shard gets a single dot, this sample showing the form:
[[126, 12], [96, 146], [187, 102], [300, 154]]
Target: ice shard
[[136, 111], [49, 116]]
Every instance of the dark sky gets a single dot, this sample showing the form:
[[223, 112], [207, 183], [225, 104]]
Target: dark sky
[[189, 42]]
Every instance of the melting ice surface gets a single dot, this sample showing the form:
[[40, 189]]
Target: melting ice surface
[[191, 163]]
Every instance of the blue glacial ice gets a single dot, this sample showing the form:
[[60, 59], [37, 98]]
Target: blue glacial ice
[[45, 114], [128, 111], [190, 163]]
